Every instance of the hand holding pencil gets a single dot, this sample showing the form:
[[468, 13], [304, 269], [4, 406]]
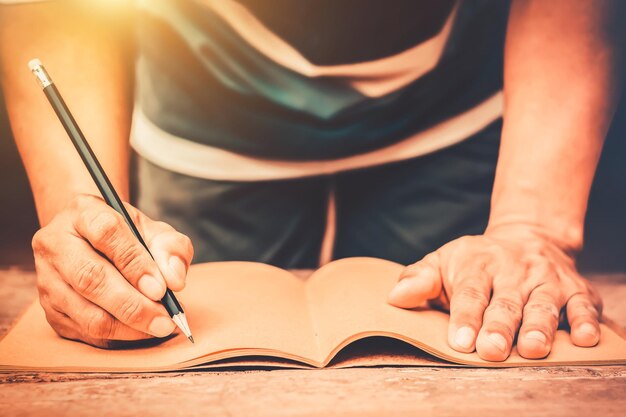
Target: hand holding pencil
[[103, 265]]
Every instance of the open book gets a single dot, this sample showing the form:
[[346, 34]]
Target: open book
[[251, 314]]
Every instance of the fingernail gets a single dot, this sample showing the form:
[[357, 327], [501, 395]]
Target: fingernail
[[406, 294], [497, 340], [178, 268], [161, 326], [464, 337], [537, 335], [151, 287], [415, 286], [401, 288], [588, 328]]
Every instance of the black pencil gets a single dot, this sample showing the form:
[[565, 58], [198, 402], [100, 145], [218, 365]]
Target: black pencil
[[102, 181]]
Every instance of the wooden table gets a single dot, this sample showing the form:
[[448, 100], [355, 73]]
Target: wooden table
[[558, 391]]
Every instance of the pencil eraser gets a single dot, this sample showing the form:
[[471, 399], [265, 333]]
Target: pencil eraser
[[33, 64]]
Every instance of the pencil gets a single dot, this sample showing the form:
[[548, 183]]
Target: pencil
[[169, 301]]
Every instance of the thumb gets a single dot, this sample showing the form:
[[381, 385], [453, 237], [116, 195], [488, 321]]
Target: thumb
[[172, 252], [418, 283]]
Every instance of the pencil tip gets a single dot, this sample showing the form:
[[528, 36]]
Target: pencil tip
[[191, 339]]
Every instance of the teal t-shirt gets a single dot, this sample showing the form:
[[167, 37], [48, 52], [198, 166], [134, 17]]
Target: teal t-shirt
[[215, 72]]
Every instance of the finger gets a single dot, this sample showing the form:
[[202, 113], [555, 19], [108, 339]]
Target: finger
[[539, 323], [172, 251], [418, 283], [62, 324], [91, 322], [501, 321], [68, 329], [98, 281], [583, 317], [469, 298], [107, 231]]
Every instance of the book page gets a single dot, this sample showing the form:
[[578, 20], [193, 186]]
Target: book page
[[348, 300], [233, 308], [243, 309]]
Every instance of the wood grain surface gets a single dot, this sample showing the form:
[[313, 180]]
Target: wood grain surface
[[557, 391]]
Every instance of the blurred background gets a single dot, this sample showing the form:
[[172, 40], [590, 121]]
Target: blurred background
[[605, 243], [18, 220]]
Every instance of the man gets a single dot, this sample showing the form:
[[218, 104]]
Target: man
[[252, 115]]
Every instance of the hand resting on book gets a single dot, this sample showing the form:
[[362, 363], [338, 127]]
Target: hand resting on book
[[499, 284]]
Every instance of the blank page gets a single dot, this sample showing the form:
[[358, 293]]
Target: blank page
[[348, 299], [232, 307]]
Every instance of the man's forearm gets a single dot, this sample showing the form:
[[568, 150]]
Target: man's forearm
[[90, 67], [561, 87]]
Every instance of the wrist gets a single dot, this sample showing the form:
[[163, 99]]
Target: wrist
[[553, 210], [569, 239], [50, 201]]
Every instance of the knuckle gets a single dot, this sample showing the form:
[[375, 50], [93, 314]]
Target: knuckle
[[104, 226], [474, 295], [99, 325], [510, 304], [91, 278], [39, 243], [545, 309], [130, 259], [130, 310], [583, 308], [548, 292]]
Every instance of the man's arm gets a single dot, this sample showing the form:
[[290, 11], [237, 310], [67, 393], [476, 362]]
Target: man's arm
[[561, 87], [84, 55], [96, 282]]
